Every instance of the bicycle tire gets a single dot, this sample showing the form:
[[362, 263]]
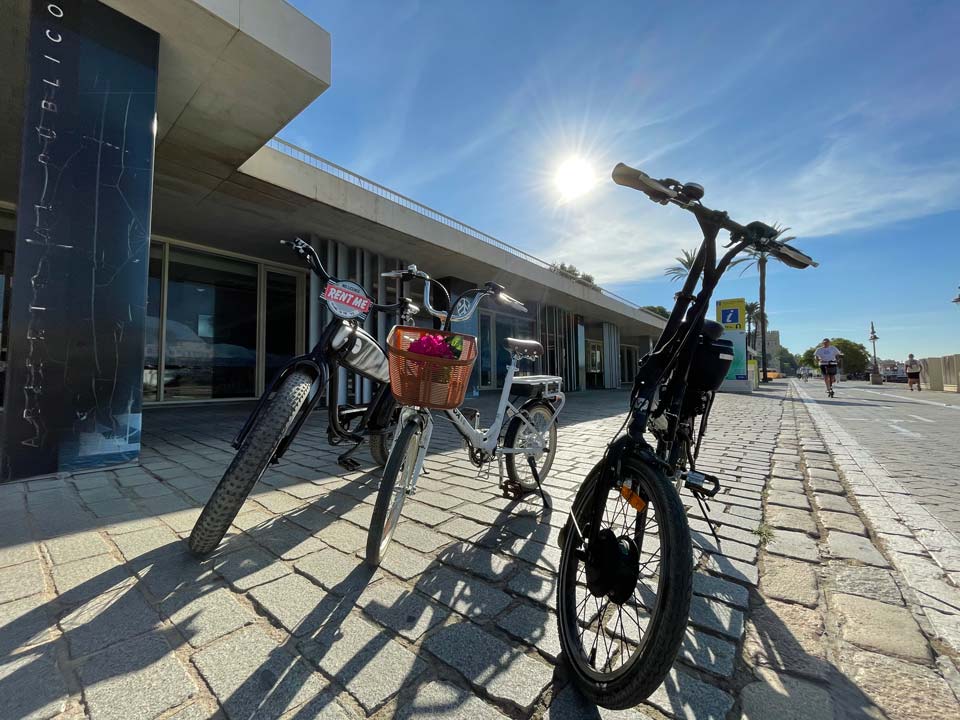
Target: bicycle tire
[[380, 448], [514, 428], [248, 464], [380, 442], [386, 511], [656, 650]]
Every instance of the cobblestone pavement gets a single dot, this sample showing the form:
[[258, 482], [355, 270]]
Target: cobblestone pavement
[[912, 435], [104, 615], [917, 543], [837, 630]]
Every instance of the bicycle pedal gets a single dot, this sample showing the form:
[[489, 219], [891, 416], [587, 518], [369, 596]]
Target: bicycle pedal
[[701, 483], [348, 464]]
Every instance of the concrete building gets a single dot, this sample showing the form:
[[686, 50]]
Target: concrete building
[[143, 195], [773, 350]]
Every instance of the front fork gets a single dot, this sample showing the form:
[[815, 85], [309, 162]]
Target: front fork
[[425, 419]]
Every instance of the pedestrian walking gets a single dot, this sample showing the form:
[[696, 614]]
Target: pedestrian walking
[[828, 355], [912, 366]]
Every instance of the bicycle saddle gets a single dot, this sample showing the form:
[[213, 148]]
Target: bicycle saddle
[[528, 348]]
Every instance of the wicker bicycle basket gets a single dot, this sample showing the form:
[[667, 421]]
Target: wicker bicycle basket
[[430, 382]]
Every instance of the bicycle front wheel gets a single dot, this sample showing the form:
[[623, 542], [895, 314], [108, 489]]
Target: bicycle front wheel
[[251, 460], [398, 476], [624, 597]]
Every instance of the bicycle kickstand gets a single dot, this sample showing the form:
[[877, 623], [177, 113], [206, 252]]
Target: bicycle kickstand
[[536, 476]]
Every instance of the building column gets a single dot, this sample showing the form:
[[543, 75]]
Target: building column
[[611, 356]]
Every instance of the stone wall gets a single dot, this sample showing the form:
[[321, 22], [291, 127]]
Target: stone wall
[[941, 373]]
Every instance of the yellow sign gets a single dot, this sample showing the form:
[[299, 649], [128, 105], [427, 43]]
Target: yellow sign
[[732, 314]]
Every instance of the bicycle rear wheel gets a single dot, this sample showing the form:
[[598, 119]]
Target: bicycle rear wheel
[[397, 478], [623, 599], [519, 435]]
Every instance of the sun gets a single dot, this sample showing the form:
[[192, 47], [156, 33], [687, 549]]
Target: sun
[[574, 178]]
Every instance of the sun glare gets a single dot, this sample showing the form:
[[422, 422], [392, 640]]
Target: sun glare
[[574, 178]]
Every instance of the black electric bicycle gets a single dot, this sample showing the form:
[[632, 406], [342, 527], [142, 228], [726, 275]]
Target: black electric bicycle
[[626, 569], [296, 390]]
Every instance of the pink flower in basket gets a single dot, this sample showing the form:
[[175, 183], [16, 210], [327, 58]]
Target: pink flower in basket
[[432, 346]]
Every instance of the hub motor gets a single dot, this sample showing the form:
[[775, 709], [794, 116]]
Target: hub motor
[[613, 566]]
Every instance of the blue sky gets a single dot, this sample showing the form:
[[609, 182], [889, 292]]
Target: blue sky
[[839, 120]]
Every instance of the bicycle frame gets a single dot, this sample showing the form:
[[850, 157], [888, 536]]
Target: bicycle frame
[[670, 360], [323, 362], [487, 439], [484, 439]]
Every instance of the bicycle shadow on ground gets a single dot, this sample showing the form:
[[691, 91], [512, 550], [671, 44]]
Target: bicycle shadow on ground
[[377, 637], [798, 669], [109, 616]]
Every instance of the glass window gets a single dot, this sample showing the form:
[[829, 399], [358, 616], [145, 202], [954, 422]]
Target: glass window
[[211, 331], [486, 379], [281, 322], [507, 326], [151, 349]]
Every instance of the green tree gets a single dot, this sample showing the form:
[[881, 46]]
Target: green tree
[[751, 309], [758, 259], [657, 310], [855, 356], [788, 362], [685, 261]]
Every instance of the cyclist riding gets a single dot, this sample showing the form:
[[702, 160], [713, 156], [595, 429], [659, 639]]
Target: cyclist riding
[[828, 355]]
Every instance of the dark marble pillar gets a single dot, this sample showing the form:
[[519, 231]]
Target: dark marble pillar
[[73, 395]]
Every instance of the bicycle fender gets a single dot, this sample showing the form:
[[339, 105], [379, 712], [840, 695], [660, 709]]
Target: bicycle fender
[[294, 364], [320, 378]]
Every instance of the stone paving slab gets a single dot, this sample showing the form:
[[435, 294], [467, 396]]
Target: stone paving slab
[[138, 678], [252, 677]]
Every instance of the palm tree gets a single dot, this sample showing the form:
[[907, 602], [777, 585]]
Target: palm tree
[[751, 309], [759, 258], [685, 261]]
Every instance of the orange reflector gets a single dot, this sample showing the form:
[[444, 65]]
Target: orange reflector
[[637, 502]]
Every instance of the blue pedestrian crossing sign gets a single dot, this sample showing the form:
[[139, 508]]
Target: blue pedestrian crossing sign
[[732, 313]]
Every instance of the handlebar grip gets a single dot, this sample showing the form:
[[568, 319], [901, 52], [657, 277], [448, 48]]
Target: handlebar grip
[[639, 180], [507, 300], [792, 257]]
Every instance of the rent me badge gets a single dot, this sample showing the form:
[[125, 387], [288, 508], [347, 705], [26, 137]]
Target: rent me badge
[[346, 299]]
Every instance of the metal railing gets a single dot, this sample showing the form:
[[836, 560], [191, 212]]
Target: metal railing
[[342, 173]]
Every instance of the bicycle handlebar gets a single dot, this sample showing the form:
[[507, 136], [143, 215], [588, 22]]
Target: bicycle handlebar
[[465, 313], [312, 257], [308, 253], [760, 235]]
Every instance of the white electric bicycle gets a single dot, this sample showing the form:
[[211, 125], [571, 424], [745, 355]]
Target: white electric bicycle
[[522, 439]]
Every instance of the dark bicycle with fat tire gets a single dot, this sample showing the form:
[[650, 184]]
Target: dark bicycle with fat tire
[[626, 567], [295, 392]]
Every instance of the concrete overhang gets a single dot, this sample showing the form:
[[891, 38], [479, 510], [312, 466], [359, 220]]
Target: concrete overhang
[[274, 196], [232, 74]]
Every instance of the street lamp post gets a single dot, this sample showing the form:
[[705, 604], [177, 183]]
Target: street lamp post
[[875, 377]]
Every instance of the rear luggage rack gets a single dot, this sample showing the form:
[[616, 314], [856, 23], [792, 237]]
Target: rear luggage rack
[[536, 385]]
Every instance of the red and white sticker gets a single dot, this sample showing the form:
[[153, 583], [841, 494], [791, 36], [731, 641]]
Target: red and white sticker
[[347, 299]]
